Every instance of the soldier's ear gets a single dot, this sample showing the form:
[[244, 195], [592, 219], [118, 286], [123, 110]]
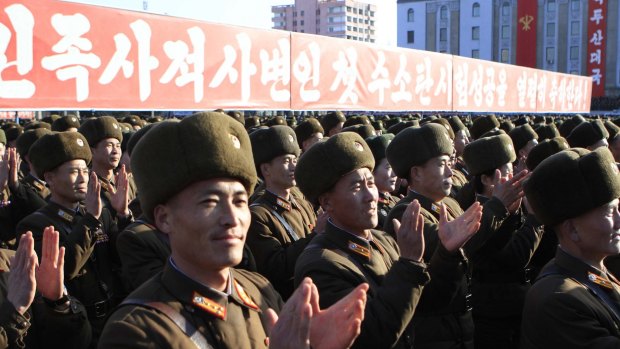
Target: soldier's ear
[[573, 234], [162, 218], [264, 169], [414, 174], [48, 177], [325, 201]]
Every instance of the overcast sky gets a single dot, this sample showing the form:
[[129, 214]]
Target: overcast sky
[[250, 13]]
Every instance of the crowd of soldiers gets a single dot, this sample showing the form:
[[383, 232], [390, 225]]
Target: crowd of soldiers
[[225, 230]]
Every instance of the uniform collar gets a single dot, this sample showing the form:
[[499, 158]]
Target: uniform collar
[[583, 270], [64, 213], [36, 182], [429, 205], [204, 298], [385, 198], [348, 242], [106, 185], [279, 202]]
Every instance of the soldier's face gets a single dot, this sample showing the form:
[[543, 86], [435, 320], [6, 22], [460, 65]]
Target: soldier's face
[[528, 147], [599, 232], [281, 171], [461, 139], [316, 137], [69, 182], [107, 153], [434, 178], [352, 203], [207, 224], [599, 144], [336, 129], [385, 178]]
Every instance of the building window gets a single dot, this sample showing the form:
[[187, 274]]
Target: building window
[[550, 5], [443, 12], [575, 4], [475, 10], [360, 11], [505, 32], [443, 34], [330, 19], [301, 22], [550, 55], [354, 19], [506, 9], [574, 28], [550, 30], [475, 33], [294, 22], [349, 28], [410, 37], [318, 11], [354, 29], [475, 53], [295, 14], [348, 10], [348, 18], [574, 53], [410, 15], [504, 57], [301, 13], [301, 31]]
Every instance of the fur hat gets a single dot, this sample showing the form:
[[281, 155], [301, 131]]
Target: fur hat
[[488, 153], [66, 122], [587, 133], [272, 142], [571, 183], [521, 135], [482, 125], [306, 129], [331, 119], [173, 155], [544, 150], [27, 139], [320, 168], [54, 149], [414, 146], [364, 131], [378, 145], [98, 129]]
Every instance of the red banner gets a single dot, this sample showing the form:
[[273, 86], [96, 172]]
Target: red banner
[[527, 13], [58, 55], [597, 43]]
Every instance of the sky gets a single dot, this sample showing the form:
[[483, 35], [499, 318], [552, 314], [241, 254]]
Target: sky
[[249, 13]]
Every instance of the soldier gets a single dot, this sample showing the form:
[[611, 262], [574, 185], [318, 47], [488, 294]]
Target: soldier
[[338, 174], [104, 138], [499, 265], [46, 319], [574, 302], [194, 178], [524, 138], [282, 225], [308, 133], [87, 232], [332, 122], [589, 135], [66, 123], [385, 178], [443, 317]]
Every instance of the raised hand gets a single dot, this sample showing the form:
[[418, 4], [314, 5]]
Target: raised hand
[[410, 234], [339, 325], [454, 234], [93, 196], [14, 164], [291, 329], [22, 282], [49, 274], [4, 170], [119, 197], [321, 221], [510, 190]]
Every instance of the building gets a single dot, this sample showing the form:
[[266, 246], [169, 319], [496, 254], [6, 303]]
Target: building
[[488, 29], [347, 19]]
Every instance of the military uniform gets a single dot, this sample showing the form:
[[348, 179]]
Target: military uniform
[[500, 276], [561, 312], [92, 267], [384, 205], [338, 261], [108, 187], [232, 319], [43, 325], [279, 232], [443, 318]]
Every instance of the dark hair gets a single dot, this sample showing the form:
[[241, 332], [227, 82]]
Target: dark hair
[[478, 186]]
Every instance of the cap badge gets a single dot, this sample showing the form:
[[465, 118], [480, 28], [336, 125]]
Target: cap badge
[[79, 142], [235, 141], [115, 126], [290, 138], [614, 168], [358, 146]]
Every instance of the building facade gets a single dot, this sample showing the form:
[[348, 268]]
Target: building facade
[[487, 29], [347, 19]]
